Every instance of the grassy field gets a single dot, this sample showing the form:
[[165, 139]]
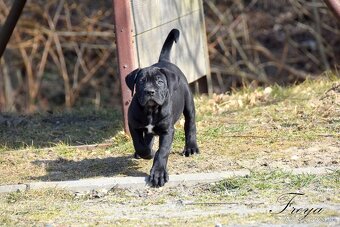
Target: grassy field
[[266, 130], [239, 200]]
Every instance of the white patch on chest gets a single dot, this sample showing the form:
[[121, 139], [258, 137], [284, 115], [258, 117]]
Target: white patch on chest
[[149, 127]]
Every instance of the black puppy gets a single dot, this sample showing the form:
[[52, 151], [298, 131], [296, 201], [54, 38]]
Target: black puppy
[[162, 95]]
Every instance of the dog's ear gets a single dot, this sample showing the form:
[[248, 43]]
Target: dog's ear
[[172, 79], [131, 80]]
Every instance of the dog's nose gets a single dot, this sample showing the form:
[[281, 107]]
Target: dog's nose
[[150, 92]]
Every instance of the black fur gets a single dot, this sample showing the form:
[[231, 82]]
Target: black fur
[[162, 95]]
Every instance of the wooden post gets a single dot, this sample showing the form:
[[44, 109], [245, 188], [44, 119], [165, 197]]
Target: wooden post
[[334, 6], [9, 25], [209, 85], [125, 50]]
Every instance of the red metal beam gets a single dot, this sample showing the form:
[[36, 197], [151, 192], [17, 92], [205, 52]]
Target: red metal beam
[[125, 50], [9, 25], [334, 5]]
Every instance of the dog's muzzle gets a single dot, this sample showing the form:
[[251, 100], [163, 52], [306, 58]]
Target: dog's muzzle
[[152, 98]]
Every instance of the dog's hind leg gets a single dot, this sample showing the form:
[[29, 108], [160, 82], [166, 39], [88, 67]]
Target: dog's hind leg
[[142, 143], [190, 126]]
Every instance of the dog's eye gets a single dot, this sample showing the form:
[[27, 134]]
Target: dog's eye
[[142, 80], [159, 82]]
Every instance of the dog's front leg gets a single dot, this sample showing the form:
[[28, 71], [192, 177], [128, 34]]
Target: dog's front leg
[[158, 174]]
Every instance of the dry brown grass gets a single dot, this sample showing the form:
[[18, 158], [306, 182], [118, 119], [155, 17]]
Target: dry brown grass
[[263, 129]]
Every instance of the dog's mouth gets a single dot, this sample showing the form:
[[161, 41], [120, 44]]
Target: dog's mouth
[[152, 100], [151, 103]]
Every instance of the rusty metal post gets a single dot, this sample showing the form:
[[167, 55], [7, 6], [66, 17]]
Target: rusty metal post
[[9, 25], [334, 6], [125, 50]]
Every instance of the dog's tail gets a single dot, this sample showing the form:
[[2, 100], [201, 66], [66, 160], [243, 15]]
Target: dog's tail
[[165, 52]]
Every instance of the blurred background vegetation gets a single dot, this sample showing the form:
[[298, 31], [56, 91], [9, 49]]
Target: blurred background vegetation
[[62, 53]]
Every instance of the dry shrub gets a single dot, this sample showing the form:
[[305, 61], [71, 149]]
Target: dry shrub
[[60, 50], [270, 41], [62, 53]]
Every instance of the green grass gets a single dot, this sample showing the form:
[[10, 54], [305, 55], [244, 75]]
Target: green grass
[[18, 208], [51, 194], [296, 114], [262, 181]]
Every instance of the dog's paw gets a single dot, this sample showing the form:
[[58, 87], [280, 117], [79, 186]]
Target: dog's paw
[[158, 175], [190, 151], [139, 156]]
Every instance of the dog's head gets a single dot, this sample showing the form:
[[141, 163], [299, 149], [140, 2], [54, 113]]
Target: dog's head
[[153, 85]]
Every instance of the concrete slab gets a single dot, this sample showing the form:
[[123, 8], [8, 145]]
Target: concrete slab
[[13, 188], [107, 183]]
